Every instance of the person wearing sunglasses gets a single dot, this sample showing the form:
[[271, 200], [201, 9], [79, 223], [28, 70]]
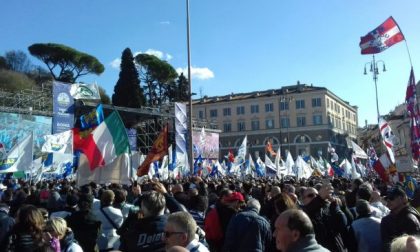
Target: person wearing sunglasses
[[403, 219]]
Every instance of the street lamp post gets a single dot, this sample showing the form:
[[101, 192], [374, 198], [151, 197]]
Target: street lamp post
[[375, 72]]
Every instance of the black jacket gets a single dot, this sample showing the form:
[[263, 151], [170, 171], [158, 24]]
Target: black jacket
[[144, 235], [330, 223], [394, 225], [6, 225], [86, 228]]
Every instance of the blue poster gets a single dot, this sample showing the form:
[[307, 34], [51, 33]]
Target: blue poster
[[63, 108]]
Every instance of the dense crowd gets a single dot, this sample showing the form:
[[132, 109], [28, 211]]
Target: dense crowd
[[209, 214]]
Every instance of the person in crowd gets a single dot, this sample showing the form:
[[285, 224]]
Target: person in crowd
[[248, 231], [365, 231], [6, 225], [57, 227], [134, 193], [403, 219], [294, 232], [85, 225], [405, 243], [27, 234], [180, 230], [376, 201], [120, 202], [177, 191], [146, 232], [329, 222], [198, 206], [111, 219], [71, 207], [217, 219]]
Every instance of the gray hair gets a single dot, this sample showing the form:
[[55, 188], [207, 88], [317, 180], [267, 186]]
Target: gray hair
[[184, 222], [254, 203]]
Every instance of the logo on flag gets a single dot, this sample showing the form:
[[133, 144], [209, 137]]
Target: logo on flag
[[84, 91], [381, 38]]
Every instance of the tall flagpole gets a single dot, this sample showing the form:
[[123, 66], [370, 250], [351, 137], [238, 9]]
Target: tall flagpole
[[190, 142]]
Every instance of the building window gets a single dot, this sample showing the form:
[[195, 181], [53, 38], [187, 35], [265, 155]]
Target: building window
[[285, 122], [241, 126], [284, 105], [213, 113], [255, 125], [300, 104], [317, 119], [316, 102], [226, 112], [201, 114], [269, 107], [227, 127], [269, 123], [301, 121], [240, 110], [254, 109]]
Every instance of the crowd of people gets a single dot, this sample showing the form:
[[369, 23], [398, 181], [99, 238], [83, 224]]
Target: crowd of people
[[209, 214]]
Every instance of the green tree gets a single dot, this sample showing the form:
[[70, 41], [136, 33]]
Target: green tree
[[183, 88], [127, 91], [14, 81], [157, 76], [3, 63], [65, 63]]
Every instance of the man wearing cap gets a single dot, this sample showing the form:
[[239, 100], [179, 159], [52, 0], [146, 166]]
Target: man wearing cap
[[403, 219], [217, 219]]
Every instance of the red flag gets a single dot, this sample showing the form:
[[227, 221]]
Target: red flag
[[231, 157], [411, 100], [159, 150], [381, 167], [384, 36]]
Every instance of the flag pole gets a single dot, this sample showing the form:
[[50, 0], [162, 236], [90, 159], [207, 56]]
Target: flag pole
[[375, 79], [190, 142]]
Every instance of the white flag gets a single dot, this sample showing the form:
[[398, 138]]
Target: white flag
[[358, 152], [19, 157], [289, 164], [59, 143], [85, 91], [240, 158]]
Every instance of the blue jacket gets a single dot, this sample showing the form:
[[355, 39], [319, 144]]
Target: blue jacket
[[247, 231], [307, 244]]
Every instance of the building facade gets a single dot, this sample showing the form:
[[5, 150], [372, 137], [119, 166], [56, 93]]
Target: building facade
[[301, 118]]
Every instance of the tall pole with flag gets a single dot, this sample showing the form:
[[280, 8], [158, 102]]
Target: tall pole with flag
[[376, 41], [190, 142]]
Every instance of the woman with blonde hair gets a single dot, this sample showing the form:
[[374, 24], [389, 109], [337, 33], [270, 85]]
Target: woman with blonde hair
[[57, 227]]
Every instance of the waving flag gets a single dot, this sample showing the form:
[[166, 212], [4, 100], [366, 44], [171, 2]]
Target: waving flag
[[269, 148], [358, 152], [93, 118], [382, 166], [412, 108], [85, 91], [240, 158], [387, 137], [381, 38], [59, 143], [19, 157], [260, 167], [105, 143], [158, 151]]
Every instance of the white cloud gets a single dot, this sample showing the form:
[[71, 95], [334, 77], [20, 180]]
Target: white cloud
[[164, 22], [201, 73], [115, 63], [168, 57]]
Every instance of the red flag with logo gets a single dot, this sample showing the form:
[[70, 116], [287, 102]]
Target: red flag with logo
[[381, 38], [158, 151]]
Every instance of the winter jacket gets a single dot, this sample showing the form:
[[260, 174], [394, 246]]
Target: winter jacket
[[365, 234], [69, 244], [144, 234], [109, 238], [86, 228], [247, 231], [405, 221], [6, 225], [307, 244]]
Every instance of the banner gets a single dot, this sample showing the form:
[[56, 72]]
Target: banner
[[181, 129], [93, 118], [132, 139], [85, 91], [19, 157], [63, 108], [59, 143]]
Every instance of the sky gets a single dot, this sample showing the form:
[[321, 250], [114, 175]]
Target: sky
[[236, 45]]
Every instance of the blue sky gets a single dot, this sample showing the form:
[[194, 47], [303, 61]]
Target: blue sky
[[236, 45]]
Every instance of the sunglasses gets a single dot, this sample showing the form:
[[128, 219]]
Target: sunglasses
[[168, 234]]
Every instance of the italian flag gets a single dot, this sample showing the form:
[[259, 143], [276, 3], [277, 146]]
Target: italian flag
[[108, 141]]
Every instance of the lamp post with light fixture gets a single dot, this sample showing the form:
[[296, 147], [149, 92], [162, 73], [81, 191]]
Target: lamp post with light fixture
[[375, 72]]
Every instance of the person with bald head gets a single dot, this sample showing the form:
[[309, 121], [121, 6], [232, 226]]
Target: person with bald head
[[330, 223], [294, 232]]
